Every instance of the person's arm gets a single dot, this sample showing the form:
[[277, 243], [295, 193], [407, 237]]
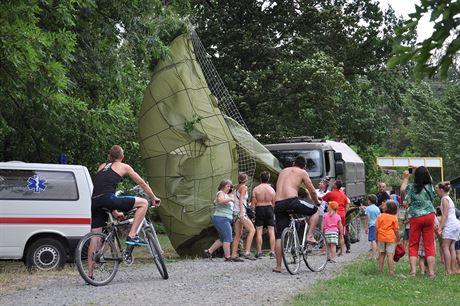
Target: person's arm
[[340, 228], [254, 199], [242, 190], [368, 219], [405, 182], [322, 225], [445, 210], [139, 181], [221, 199], [310, 188], [347, 205]]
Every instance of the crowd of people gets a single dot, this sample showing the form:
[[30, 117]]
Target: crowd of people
[[326, 209], [421, 225]]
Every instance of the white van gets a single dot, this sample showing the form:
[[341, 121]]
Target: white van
[[44, 211]]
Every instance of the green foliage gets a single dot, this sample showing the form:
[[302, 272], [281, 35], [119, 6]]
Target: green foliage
[[73, 74], [444, 13]]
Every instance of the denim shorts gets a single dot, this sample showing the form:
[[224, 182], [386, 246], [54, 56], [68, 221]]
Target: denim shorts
[[371, 235], [223, 226]]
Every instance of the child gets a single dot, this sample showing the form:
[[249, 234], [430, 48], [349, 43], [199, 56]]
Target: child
[[372, 211], [421, 256], [387, 230], [332, 229], [449, 227]]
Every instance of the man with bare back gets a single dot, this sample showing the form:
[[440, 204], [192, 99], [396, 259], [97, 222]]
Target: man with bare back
[[263, 199], [287, 201]]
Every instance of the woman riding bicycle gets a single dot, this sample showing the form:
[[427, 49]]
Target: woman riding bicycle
[[108, 175]]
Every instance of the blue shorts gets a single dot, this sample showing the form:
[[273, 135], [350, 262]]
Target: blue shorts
[[223, 226], [371, 235], [457, 245]]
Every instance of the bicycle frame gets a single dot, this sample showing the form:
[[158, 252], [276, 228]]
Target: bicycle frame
[[293, 226]]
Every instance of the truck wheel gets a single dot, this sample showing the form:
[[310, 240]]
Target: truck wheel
[[45, 254]]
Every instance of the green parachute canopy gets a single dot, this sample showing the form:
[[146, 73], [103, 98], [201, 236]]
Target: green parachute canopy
[[189, 145]]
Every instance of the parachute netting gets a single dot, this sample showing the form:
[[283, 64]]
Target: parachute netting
[[191, 138], [246, 162]]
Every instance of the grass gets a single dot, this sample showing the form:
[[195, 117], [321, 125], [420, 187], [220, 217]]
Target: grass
[[360, 283]]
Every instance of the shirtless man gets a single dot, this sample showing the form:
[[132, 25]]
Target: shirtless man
[[287, 199], [263, 199]]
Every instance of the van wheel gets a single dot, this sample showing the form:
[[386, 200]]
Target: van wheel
[[45, 254]]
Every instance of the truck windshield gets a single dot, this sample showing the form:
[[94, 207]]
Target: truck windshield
[[313, 158]]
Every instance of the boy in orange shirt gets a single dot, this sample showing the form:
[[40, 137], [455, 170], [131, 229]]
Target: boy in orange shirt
[[387, 234]]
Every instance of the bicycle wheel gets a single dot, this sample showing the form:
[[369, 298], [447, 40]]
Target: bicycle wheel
[[156, 253], [315, 256], [291, 253], [97, 259]]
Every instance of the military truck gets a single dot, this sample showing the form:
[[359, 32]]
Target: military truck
[[325, 160]]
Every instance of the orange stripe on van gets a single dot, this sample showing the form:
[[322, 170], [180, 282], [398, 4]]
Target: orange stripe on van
[[45, 221]]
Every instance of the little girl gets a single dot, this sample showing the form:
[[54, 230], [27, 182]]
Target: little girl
[[332, 229], [449, 228]]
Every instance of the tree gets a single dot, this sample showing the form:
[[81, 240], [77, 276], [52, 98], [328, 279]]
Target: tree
[[445, 14], [73, 74], [287, 62]]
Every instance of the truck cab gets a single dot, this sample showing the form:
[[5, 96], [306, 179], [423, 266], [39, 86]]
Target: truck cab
[[45, 209], [325, 159]]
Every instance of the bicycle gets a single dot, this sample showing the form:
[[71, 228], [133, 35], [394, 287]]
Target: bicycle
[[105, 258], [314, 255]]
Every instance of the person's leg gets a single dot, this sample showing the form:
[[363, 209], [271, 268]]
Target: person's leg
[[92, 247], [215, 246], [312, 221], [453, 256], [226, 236], [237, 227], [271, 236], [226, 247], [445, 248], [332, 250], [251, 232], [381, 261], [278, 255], [421, 264], [259, 231], [374, 248], [414, 240], [427, 229], [141, 204], [390, 263]]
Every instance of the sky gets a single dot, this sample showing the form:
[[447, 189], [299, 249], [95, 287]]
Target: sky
[[404, 8]]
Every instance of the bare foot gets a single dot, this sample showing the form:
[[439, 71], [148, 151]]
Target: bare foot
[[391, 273]]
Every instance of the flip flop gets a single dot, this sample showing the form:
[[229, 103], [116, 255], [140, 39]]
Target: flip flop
[[276, 271]]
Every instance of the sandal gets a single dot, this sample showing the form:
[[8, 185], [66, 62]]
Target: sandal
[[208, 254], [276, 271]]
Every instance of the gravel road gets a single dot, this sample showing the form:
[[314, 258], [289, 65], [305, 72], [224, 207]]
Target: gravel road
[[191, 282]]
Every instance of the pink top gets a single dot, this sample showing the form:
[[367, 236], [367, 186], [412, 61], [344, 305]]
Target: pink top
[[331, 222]]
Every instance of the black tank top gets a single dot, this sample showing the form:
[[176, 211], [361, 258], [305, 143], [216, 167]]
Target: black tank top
[[106, 181]]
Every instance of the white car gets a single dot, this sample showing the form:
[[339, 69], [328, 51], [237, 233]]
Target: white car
[[44, 211]]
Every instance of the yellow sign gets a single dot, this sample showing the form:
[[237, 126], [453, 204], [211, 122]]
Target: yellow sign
[[429, 162]]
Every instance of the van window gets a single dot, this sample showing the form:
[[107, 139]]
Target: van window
[[37, 185], [312, 157]]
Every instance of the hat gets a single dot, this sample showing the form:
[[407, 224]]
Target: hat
[[399, 252]]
